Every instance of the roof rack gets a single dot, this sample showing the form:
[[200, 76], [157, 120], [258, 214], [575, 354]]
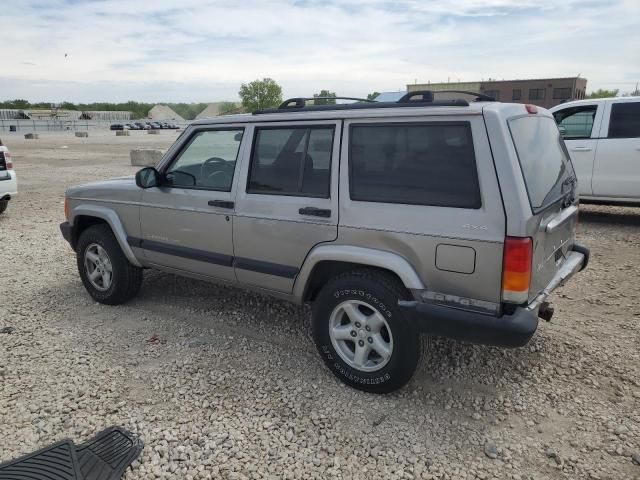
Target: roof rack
[[422, 98], [300, 102], [480, 97]]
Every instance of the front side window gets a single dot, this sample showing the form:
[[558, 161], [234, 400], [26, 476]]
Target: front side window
[[207, 162], [536, 94], [544, 161], [625, 120], [416, 164], [576, 122], [292, 161]]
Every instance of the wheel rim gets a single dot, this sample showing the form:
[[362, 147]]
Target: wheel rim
[[97, 265], [361, 335]]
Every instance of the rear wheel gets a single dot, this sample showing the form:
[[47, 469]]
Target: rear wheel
[[362, 334], [3, 205], [104, 269]]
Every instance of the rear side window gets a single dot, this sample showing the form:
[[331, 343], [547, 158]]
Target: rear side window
[[543, 159], [625, 120], [291, 161], [416, 164]]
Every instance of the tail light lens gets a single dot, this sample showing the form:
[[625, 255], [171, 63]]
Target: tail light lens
[[7, 160], [66, 208], [516, 269]]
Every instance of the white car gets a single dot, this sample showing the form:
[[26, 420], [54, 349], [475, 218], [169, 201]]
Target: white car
[[603, 139], [8, 181]]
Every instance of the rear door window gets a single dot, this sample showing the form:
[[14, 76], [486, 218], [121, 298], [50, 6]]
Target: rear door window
[[293, 161], [625, 120], [544, 160], [416, 164]]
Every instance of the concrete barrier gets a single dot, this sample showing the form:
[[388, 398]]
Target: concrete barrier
[[153, 132], [31, 136], [145, 157], [82, 134], [122, 133]]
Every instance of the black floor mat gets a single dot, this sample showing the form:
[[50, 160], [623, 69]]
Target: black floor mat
[[55, 462], [104, 457], [108, 454]]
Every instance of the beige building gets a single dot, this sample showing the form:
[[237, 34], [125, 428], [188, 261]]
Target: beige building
[[545, 92]]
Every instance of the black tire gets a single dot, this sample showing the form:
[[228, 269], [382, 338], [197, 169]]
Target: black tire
[[3, 205], [381, 291], [126, 278]]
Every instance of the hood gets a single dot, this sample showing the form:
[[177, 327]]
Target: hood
[[111, 189]]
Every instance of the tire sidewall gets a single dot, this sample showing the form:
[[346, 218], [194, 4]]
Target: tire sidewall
[[87, 238], [403, 360]]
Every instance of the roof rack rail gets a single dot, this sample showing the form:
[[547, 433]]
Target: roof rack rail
[[480, 97], [301, 102], [409, 100]]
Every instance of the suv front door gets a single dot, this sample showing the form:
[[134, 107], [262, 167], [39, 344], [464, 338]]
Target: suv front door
[[287, 201], [187, 222], [580, 126]]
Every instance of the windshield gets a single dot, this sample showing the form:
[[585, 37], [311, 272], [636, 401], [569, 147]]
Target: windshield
[[546, 168]]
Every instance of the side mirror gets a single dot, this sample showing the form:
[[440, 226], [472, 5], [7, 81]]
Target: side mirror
[[238, 137], [563, 130], [148, 177]]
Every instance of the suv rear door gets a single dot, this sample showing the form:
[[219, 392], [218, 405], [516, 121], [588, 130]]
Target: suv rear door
[[617, 166], [287, 200]]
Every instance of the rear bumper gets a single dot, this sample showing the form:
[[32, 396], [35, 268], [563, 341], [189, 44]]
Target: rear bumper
[[513, 330], [8, 186], [508, 330]]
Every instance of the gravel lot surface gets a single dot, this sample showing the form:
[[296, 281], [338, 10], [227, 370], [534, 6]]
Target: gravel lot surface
[[221, 383]]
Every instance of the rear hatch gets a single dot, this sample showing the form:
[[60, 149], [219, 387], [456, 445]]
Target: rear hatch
[[551, 185]]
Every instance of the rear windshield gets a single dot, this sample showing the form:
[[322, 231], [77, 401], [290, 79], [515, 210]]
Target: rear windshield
[[543, 159]]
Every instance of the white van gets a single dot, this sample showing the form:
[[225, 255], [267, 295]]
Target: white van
[[603, 139]]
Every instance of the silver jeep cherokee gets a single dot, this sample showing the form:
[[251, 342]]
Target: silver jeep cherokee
[[451, 217]]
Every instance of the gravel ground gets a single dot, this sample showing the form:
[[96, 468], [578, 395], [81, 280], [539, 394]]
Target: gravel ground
[[222, 383]]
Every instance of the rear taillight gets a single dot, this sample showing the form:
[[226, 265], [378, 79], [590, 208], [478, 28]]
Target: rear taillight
[[7, 161], [516, 269], [66, 208]]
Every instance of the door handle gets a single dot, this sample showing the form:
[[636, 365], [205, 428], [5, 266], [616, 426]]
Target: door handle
[[315, 212], [221, 204], [581, 149]]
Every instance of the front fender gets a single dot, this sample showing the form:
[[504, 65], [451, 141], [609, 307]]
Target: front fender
[[112, 218], [359, 255]]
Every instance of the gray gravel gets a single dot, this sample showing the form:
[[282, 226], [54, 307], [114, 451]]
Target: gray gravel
[[221, 383]]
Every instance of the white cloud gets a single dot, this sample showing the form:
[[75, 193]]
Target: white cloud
[[196, 50]]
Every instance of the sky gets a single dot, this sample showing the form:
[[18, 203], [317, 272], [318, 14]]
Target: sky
[[200, 51]]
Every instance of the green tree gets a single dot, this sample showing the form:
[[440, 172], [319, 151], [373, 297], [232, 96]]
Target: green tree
[[260, 94], [373, 95], [324, 101], [600, 93]]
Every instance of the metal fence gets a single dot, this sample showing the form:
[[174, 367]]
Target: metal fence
[[54, 125]]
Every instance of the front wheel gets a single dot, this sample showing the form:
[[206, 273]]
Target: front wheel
[[361, 333], [104, 269]]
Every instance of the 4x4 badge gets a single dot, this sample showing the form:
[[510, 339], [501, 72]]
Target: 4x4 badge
[[474, 227]]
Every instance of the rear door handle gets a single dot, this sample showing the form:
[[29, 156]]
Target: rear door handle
[[581, 149], [221, 204], [315, 212]]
